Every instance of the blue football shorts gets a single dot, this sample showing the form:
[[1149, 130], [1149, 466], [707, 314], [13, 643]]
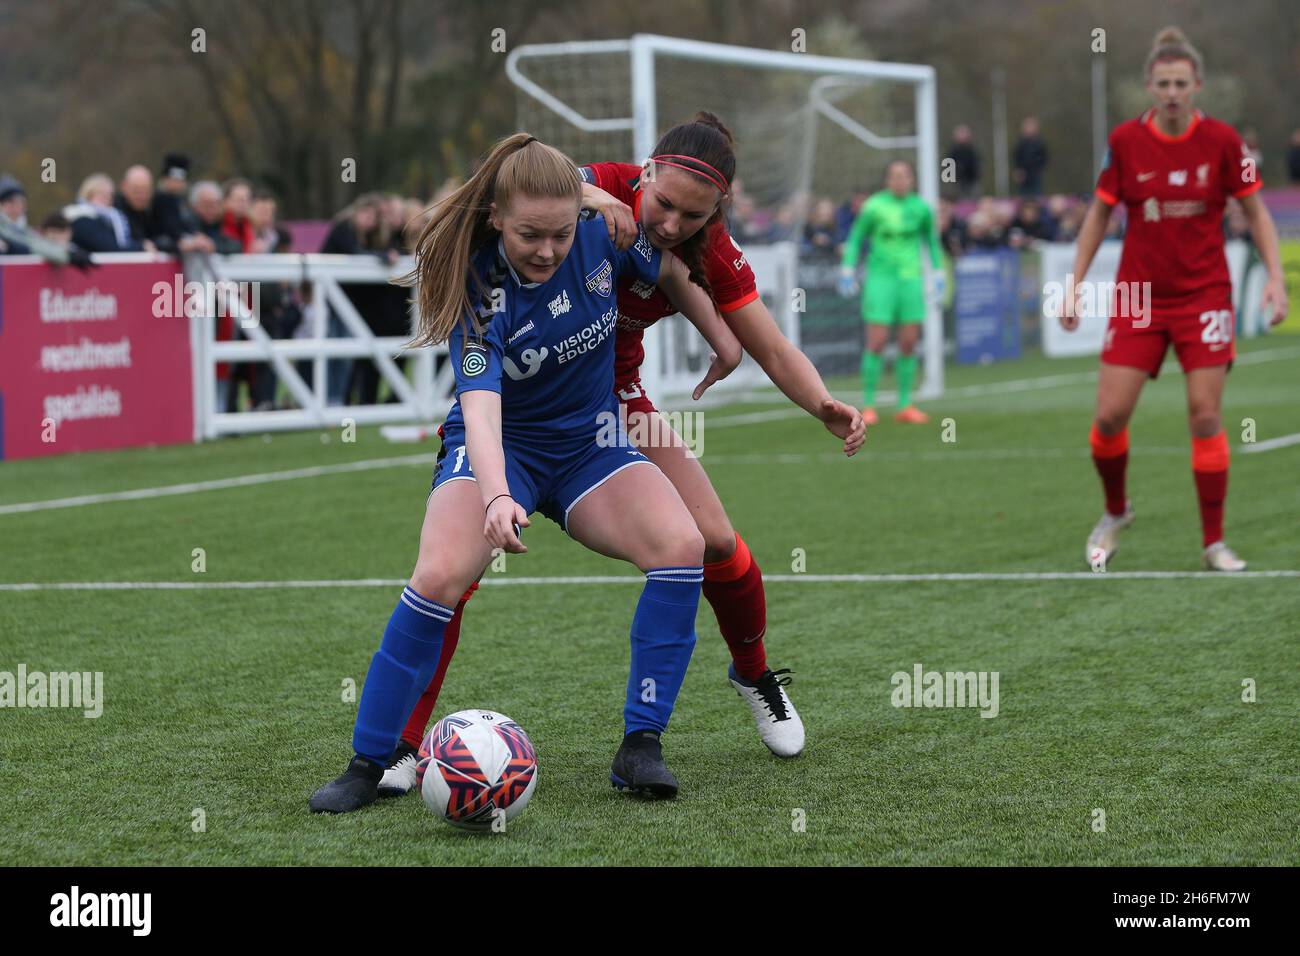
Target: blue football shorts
[[547, 479]]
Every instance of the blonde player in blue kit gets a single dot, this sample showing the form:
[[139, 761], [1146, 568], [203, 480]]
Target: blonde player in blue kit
[[523, 291]]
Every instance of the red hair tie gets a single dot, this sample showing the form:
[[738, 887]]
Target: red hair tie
[[717, 179]]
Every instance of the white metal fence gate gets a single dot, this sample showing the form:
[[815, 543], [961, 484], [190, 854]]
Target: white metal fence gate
[[421, 398]]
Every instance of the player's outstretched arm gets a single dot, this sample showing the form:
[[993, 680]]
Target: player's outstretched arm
[[1264, 233], [792, 372], [1091, 232], [618, 215], [487, 460], [853, 250], [694, 303]]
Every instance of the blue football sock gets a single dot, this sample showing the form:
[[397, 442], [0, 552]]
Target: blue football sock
[[399, 672], [663, 636]]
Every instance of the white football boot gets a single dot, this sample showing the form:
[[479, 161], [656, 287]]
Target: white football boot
[[399, 778], [778, 722], [1220, 557], [1103, 542]]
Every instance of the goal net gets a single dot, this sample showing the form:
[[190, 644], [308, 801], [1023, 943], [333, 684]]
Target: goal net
[[812, 134]]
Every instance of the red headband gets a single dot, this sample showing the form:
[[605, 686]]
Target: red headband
[[717, 178]]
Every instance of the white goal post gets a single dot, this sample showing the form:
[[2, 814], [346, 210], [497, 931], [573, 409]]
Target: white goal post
[[586, 89]]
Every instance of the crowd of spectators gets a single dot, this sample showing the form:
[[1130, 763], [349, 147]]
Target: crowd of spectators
[[172, 215]]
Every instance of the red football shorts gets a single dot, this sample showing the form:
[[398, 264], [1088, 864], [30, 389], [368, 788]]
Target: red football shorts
[[1202, 336], [631, 394]]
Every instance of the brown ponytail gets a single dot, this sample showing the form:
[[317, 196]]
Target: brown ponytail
[[706, 140], [1172, 44], [517, 165]]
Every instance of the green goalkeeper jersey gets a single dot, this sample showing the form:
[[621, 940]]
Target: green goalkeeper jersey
[[896, 228]]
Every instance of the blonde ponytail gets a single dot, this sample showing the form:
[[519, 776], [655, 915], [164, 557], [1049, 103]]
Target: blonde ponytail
[[459, 227]]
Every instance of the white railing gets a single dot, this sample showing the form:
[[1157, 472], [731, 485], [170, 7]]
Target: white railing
[[423, 398]]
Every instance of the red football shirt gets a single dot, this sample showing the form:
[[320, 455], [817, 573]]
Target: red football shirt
[[1175, 189], [641, 305]]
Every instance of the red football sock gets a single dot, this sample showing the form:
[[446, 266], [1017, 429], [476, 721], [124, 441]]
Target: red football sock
[[1210, 469], [413, 733], [1110, 456], [735, 589]]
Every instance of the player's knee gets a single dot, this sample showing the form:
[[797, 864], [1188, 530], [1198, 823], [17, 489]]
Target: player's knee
[[1111, 421], [435, 582], [681, 546], [1204, 422], [719, 547]]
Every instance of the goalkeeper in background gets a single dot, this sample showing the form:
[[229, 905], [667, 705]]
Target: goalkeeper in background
[[898, 222]]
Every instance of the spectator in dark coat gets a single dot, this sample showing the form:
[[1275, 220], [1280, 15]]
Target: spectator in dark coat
[[175, 223], [966, 161], [134, 200], [1293, 159], [97, 225], [1034, 221], [1029, 158], [952, 231], [13, 206], [205, 200], [279, 315], [261, 215], [358, 230]]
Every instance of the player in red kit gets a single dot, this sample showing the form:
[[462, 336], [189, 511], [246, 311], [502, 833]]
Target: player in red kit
[[677, 199], [1174, 169]]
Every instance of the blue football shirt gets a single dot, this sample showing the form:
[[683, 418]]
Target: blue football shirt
[[548, 347]]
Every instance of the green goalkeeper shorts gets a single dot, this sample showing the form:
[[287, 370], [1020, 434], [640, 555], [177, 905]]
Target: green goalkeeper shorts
[[887, 299]]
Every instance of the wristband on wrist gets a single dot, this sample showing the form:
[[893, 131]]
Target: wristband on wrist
[[504, 494]]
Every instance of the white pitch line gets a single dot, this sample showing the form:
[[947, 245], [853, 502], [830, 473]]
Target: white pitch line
[[239, 481], [1271, 443], [491, 581], [953, 454], [1009, 386], [750, 418]]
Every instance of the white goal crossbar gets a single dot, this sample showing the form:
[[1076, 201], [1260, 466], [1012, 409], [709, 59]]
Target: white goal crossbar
[[643, 51]]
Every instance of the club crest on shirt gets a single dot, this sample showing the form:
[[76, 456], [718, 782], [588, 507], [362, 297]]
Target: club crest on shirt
[[473, 359], [601, 279]]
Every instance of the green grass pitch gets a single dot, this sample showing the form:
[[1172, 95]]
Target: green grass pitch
[[1118, 694]]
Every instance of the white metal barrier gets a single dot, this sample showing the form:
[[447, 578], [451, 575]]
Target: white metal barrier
[[423, 398]]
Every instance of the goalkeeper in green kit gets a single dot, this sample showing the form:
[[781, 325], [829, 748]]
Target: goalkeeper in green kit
[[898, 222]]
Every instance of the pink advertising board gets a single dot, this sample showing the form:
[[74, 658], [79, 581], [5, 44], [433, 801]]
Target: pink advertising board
[[86, 364]]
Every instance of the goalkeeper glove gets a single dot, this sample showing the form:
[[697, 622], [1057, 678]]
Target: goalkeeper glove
[[847, 284]]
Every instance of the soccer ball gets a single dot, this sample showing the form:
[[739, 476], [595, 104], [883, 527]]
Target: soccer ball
[[476, 767]]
